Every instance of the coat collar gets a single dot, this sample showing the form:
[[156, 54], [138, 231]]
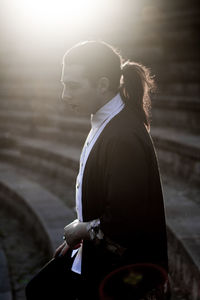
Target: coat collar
[[106, 111]]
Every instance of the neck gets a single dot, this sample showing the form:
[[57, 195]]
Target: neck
[[106, 98]]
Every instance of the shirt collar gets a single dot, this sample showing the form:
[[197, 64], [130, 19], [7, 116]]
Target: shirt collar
[[106, 111]]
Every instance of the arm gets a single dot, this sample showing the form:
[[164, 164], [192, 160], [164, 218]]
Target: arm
[[126, 181]]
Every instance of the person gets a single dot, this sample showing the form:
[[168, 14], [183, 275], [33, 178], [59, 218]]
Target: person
[[119, 201]]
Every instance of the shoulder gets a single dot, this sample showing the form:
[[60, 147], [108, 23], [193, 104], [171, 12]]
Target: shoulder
[[125, 128]]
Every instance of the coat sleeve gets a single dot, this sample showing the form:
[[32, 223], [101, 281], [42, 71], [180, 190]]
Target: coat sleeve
[[126, 181]]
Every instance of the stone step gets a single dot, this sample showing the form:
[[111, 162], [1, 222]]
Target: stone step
[[35, 118], [31, 90], [174, 37], [183, 223], [57, 164], [158, 19], [183, 233], [24, 256], [176, 102], [39, 209], [178, 153], [187, 18], [49, 126], [65, 155], [180, 72], [180, 89], [161, 47], [160, 33], [56, 134], [168, 110], [164, 13], [173, 146], [184, 145], [60, 180], [5, 285], [189, 144], [180, 112], [5, 140], [30, 104], [178, 5]]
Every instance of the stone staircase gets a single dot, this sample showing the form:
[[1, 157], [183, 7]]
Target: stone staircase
[[55, 163], [40, 142]]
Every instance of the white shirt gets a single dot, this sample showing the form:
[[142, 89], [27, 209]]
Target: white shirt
[[98, 122]]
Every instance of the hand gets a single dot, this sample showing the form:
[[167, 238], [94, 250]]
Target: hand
[[75, 232], [63, 248]]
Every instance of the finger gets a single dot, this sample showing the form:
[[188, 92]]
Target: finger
[[64, 250], [58, 250]]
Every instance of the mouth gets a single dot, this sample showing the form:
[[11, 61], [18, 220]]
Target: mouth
[[73, 105]]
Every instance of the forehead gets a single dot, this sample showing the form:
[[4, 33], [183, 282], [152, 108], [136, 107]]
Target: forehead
[[73, 73]]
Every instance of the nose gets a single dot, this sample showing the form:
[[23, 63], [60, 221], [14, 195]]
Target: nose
[[66, 95]]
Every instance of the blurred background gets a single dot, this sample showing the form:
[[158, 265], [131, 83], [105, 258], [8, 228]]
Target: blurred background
[[40, 140]]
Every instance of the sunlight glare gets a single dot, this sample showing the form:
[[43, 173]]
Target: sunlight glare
[[50, 13]]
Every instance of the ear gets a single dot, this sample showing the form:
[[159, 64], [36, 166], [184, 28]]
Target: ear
[[103, 85]]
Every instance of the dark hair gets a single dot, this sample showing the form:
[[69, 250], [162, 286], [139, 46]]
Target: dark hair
[[137, 84], [99, 60], [133, 80]]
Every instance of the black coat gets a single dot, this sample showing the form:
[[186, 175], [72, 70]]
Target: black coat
[[121, 186]]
